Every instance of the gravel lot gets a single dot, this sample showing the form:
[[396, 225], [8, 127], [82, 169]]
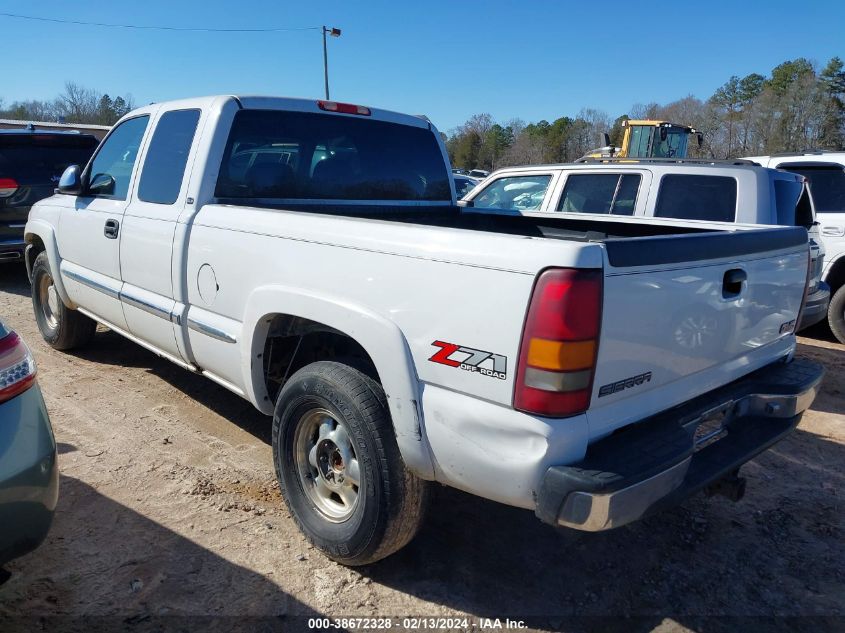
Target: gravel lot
[[169, 507]]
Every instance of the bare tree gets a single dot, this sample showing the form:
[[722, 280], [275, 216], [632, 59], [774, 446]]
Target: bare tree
[[77, 103]]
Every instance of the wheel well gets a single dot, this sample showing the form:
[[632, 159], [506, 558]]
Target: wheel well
[[293, 342], [31, 253], [836, 276]]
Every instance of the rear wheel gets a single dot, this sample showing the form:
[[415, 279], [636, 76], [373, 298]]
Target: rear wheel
[[60, 326], [339, 467], [836, 314]]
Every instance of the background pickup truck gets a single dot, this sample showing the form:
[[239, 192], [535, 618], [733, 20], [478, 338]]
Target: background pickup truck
[[688, 189], [310, 257]]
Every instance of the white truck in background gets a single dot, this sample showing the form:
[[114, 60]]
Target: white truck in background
[[825, 171], [696, 190], [310, 257]]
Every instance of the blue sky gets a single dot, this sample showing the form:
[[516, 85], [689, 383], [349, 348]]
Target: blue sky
[[448, 60]]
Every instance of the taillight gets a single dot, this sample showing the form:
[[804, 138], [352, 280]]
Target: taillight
[[17, 367], [8, 186], [557, 357], [344, 108]]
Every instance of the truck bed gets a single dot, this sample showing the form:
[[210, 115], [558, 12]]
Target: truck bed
[[629, 241]]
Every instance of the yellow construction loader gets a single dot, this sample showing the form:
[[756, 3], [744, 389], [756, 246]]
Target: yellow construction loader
[[648, 139]]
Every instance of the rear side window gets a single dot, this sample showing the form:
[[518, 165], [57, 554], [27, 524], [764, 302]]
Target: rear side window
[[691, 197], [307, 156], [600, 193], [164, 166], [111, 169], [827, 183], [515, 193], [40, 160]]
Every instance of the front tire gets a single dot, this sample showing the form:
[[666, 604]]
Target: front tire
[[836, 314], [339, 467], [60, 326]]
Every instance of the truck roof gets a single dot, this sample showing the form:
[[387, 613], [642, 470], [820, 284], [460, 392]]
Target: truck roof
[[805, 156], [63, 133], [667, 165], [297, 104]]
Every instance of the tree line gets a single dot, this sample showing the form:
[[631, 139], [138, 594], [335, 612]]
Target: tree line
[[75, 104], [795, 107]]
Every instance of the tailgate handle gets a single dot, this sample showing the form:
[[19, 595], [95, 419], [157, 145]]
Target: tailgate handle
[[732, 282]]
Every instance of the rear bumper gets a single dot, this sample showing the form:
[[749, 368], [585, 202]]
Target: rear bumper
[[11, 250], [658, 462], [815, 309]]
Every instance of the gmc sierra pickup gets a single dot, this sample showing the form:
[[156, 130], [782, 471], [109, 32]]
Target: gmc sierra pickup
[[310, 257]]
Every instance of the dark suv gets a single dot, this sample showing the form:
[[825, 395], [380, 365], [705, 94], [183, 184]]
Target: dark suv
[[31, 163]]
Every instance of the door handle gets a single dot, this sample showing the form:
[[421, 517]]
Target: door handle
[[111, 229]]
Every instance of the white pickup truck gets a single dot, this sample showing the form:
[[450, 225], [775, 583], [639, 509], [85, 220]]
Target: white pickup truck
[[310, 257]]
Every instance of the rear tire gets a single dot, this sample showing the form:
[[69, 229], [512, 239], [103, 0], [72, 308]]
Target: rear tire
[[60, 326], [339, 466], [836, 314]]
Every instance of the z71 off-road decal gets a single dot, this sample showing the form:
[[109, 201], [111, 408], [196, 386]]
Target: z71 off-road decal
[[469, 359]]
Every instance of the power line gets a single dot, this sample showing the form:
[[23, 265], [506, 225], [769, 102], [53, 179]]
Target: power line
[[157, 28]]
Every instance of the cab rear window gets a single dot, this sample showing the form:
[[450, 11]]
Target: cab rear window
[[39, 160], [308, 156], [692, 197]]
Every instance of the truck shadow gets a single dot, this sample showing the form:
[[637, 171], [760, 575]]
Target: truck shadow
[[106, 567], [109, 348], [709, 565], [709, 557], [13, 279], [831, 354]]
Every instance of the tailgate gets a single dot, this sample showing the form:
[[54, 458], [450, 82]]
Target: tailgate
[[685, 314]]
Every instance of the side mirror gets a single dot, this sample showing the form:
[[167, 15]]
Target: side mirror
[[606, 138], [71, 181], [101, 184], [664, 134], [700, 139], [466, 204]]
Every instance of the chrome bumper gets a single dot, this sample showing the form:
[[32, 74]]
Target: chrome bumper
[[664, 459]]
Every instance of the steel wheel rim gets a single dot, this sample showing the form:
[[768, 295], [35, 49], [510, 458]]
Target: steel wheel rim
[[49, 301], [327, 464]]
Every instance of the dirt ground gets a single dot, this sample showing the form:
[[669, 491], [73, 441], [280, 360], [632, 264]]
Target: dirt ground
[[169, 508]]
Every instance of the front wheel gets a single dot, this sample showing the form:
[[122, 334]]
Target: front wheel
[[60, 326], [836, 314], [339, 467]]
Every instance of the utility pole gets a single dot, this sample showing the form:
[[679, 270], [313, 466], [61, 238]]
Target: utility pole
[[334, 33]]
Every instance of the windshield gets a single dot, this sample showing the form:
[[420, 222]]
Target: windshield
[[827, 184], [37, 160], [646, 142], [516, 193], [308, 156], [463, 186]]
